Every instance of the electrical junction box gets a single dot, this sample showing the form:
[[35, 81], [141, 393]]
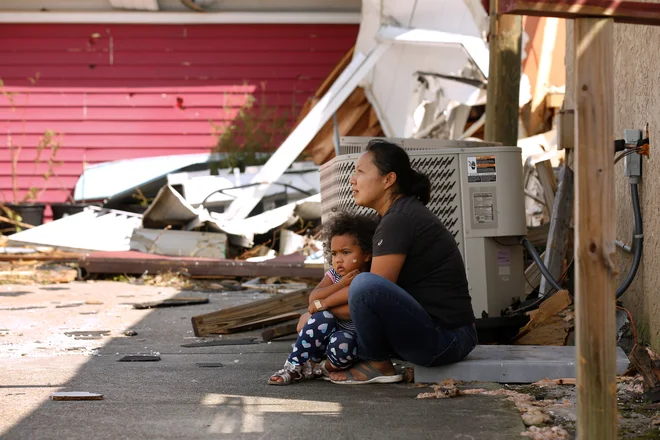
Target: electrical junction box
[[476, 191]]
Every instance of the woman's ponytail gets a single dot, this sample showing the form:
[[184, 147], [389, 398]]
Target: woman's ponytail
[[420, 186]]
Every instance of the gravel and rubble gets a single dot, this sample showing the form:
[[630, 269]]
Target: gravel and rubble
[[548, 407]]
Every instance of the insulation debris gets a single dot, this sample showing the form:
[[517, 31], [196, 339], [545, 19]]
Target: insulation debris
[[532, 410], [545, 433]]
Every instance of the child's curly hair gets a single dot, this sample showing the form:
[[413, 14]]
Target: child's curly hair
[[361, 227]]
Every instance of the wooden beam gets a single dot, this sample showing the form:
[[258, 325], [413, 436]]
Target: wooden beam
[[548, 182], [595, 230], [217, 322], [136, 263], [282, 330], [502, 106], [538, 235], [619, 11], [560, 224], [262, 323]]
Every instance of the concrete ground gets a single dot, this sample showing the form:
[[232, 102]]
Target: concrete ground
[[175, 398]]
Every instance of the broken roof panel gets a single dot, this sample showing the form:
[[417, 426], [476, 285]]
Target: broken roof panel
[[101, 181], [94, 229], [431, 36]]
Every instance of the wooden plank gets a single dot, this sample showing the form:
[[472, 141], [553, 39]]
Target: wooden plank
[[221, 343], [101, 262], [171, 302], [59, 257], [215, 322], [619, 11], [282, 330], [75, 395], [566, 129], [595, 231], [261, 323], [554, 100], [338, 69], [560, 224], [549, 183], [538, 235], [504, 78]]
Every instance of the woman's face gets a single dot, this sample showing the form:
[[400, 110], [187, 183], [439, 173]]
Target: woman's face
[[369, 187]]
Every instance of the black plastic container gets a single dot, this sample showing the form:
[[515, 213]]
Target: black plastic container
[[32, 214], [61, 210]]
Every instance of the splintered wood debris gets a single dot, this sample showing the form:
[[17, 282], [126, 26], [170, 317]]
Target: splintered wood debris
[[36, 272]]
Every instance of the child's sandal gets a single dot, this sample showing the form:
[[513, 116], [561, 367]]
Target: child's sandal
[[290, 373], [320, 372]]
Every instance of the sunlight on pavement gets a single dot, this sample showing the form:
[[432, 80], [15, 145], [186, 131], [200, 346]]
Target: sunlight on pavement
[[245, 414]]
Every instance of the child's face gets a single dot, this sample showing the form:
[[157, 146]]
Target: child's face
[[346, 254]]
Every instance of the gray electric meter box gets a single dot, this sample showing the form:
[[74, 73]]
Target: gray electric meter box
[[476, 191]]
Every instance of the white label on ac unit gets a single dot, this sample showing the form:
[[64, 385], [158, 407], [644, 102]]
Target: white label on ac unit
[[481, 169], [484, 207]]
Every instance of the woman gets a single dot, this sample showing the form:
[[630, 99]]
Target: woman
[[414, 304]]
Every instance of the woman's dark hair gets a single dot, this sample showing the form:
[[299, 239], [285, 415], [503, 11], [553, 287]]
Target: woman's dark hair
[[360, 227], [390, 158]]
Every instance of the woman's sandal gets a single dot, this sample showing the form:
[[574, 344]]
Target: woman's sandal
[[290, 373], [372, 374]]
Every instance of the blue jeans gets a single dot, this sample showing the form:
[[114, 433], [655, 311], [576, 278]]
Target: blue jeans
[[391, 323]]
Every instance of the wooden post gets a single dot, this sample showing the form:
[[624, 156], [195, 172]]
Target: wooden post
[[504, 77], [560, 223], [595, 230]]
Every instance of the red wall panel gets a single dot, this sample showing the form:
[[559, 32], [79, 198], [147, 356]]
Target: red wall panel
[[126, 91]]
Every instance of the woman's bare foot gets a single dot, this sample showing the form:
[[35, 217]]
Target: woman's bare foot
[[385, 367], [331, 368]]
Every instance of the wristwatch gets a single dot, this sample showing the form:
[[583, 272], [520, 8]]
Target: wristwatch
[[318, 305]]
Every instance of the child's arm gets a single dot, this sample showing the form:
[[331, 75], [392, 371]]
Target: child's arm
[[341, 312], [325, 288], [336, 300], [339, 298]]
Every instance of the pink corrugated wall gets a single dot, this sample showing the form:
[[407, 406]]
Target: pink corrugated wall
[[125, 91]]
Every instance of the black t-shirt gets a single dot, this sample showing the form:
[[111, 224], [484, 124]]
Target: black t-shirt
[[433, 272]]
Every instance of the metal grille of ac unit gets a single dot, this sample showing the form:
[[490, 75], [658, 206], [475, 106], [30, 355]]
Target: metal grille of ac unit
[[358, 144], [442, 170]]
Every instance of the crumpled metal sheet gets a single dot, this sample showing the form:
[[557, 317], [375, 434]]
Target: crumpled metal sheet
[[170, 208]]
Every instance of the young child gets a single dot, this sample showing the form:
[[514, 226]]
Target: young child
[[348, 239]]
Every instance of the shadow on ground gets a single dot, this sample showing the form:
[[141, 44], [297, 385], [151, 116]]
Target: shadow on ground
[[175, 398]]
